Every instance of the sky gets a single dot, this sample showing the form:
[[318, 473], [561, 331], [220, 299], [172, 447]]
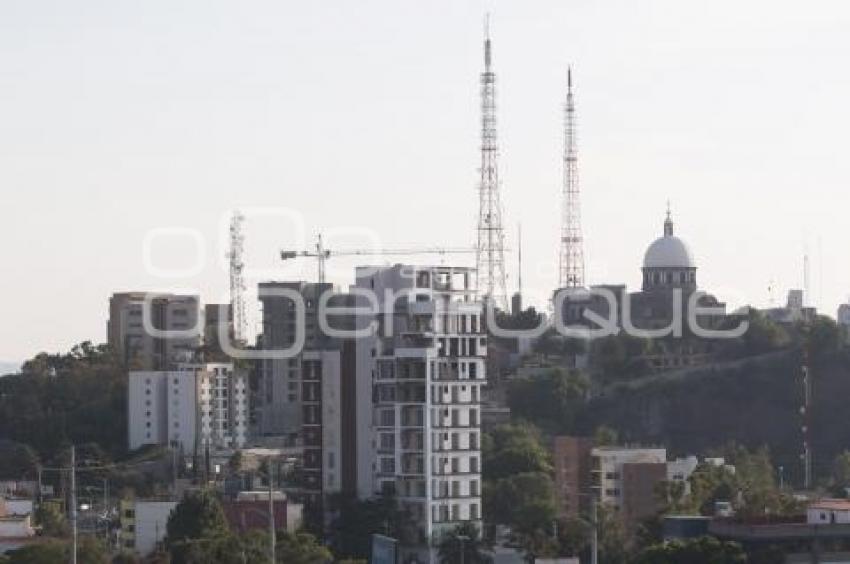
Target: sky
[[129, 131]]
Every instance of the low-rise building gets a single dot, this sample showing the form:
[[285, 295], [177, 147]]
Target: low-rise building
[[625, 478], [14, 525], [143, 524], [828, 511], [252, 513]]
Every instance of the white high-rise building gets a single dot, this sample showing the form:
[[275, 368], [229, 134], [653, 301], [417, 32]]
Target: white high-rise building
[[422, 375], [196, 406]]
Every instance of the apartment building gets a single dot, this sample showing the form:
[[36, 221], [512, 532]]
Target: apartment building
[[625, 478], [278, 399], [176, 322], [422, 374], [195, 406], [572, 463]]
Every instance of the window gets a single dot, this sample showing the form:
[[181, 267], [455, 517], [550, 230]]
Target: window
[[387, 465], [387, 417]]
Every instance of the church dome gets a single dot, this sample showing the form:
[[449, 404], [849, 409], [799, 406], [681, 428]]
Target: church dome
[[668, 251]]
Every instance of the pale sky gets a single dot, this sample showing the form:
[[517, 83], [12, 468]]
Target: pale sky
[[120, 117]]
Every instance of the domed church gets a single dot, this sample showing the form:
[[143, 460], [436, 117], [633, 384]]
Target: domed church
[[668, 262], [669, 275]]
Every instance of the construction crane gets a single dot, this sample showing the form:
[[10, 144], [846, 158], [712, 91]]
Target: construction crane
[[322, 254]]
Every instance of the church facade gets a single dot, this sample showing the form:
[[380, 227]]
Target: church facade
[[660, 310]]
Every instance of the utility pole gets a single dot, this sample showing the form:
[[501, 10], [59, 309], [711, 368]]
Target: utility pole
[[73, 507], [594, 538], [272, 533], [174, 470], [462, 539]]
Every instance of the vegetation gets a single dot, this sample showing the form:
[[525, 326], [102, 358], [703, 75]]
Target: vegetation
[[357, 520], [553, 400], [198, 517], [463, 544], [300, 548], [89, 551], [59, 399], [52, 520], [518, 488], [17, 460], [703, 550]]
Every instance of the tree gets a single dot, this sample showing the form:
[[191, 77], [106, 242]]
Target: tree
[[840, 479], [573, 535], [60, 399], [525, 501], [703, 550], [605, 436], [17, 460], [512, 449], [236, 462], [92, 551], [822, 336], [552, 400], [52, 520], [620, 357], [465, 539], [199, 516], [48, 552], [613, 539], [357, 520], [126, 558], [300, 548]]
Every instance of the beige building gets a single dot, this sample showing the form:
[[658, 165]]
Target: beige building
[[152, 331]]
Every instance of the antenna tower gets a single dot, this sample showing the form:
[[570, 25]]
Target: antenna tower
[[571, 259], [490, 250], [237, 281]]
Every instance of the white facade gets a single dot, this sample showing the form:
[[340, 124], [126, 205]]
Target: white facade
[[16, 527], [680, 470], [422, 374], [18, 506], [828, 512], [151, 518], [195, 406], [607, 467]]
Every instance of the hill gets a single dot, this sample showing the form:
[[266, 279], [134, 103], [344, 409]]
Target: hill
[[754, 401]]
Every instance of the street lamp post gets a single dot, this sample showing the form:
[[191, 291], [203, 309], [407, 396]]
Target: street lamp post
[[462, 539]]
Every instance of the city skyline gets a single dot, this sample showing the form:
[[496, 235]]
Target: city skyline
[[188, 117]]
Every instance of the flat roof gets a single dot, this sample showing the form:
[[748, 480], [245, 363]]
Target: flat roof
[[831, 504]]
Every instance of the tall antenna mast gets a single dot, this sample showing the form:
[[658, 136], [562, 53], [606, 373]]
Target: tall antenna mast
[[571, 258], [519, 258], [806, 277], [490, 250], [237, 281]]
